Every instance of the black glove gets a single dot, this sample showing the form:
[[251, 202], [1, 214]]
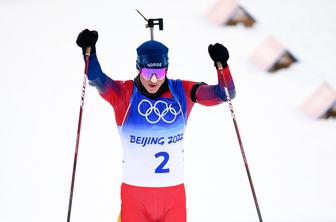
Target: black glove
[[219, 53], [87, 38]]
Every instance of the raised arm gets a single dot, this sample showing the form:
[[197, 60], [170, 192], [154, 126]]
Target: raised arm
[[115, 92], [210, 95]]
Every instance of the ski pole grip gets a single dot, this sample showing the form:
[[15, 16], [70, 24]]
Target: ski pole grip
[[219, 65], [88, 51]]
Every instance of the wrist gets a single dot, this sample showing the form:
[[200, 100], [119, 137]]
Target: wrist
[[93, 50], [224, 64]]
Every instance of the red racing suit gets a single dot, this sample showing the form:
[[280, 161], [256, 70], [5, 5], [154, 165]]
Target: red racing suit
[[152, 133]]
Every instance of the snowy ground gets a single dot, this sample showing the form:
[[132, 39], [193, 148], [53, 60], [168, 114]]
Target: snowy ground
[[292, 157]]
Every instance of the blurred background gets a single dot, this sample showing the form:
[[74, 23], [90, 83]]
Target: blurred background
[[290, 149]]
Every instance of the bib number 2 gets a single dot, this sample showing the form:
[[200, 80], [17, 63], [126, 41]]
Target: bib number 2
[[160, 168]]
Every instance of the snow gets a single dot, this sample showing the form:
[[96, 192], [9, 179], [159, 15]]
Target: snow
[[292, 158]]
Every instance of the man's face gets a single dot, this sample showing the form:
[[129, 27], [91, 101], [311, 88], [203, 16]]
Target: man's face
[[152, 79]]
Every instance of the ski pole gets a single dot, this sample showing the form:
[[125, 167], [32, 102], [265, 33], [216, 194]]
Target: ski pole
[[220, 68], [87, 58]]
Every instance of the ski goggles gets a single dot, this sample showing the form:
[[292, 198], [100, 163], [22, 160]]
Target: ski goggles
[[147, 73]]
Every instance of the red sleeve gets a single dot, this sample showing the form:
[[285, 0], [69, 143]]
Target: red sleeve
[[187, 85], [118, 94], [210, 95]]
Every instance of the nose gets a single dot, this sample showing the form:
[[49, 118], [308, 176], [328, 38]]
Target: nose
[[153, 78]]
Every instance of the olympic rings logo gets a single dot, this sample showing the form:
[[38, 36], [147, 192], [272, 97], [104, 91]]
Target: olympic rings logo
[[154, 115]]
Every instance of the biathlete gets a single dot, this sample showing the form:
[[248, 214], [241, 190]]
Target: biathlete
[[151, 112]]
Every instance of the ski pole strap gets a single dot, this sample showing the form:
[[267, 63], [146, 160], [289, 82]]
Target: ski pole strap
[[219, 65], [228, 98], [88, 51]]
